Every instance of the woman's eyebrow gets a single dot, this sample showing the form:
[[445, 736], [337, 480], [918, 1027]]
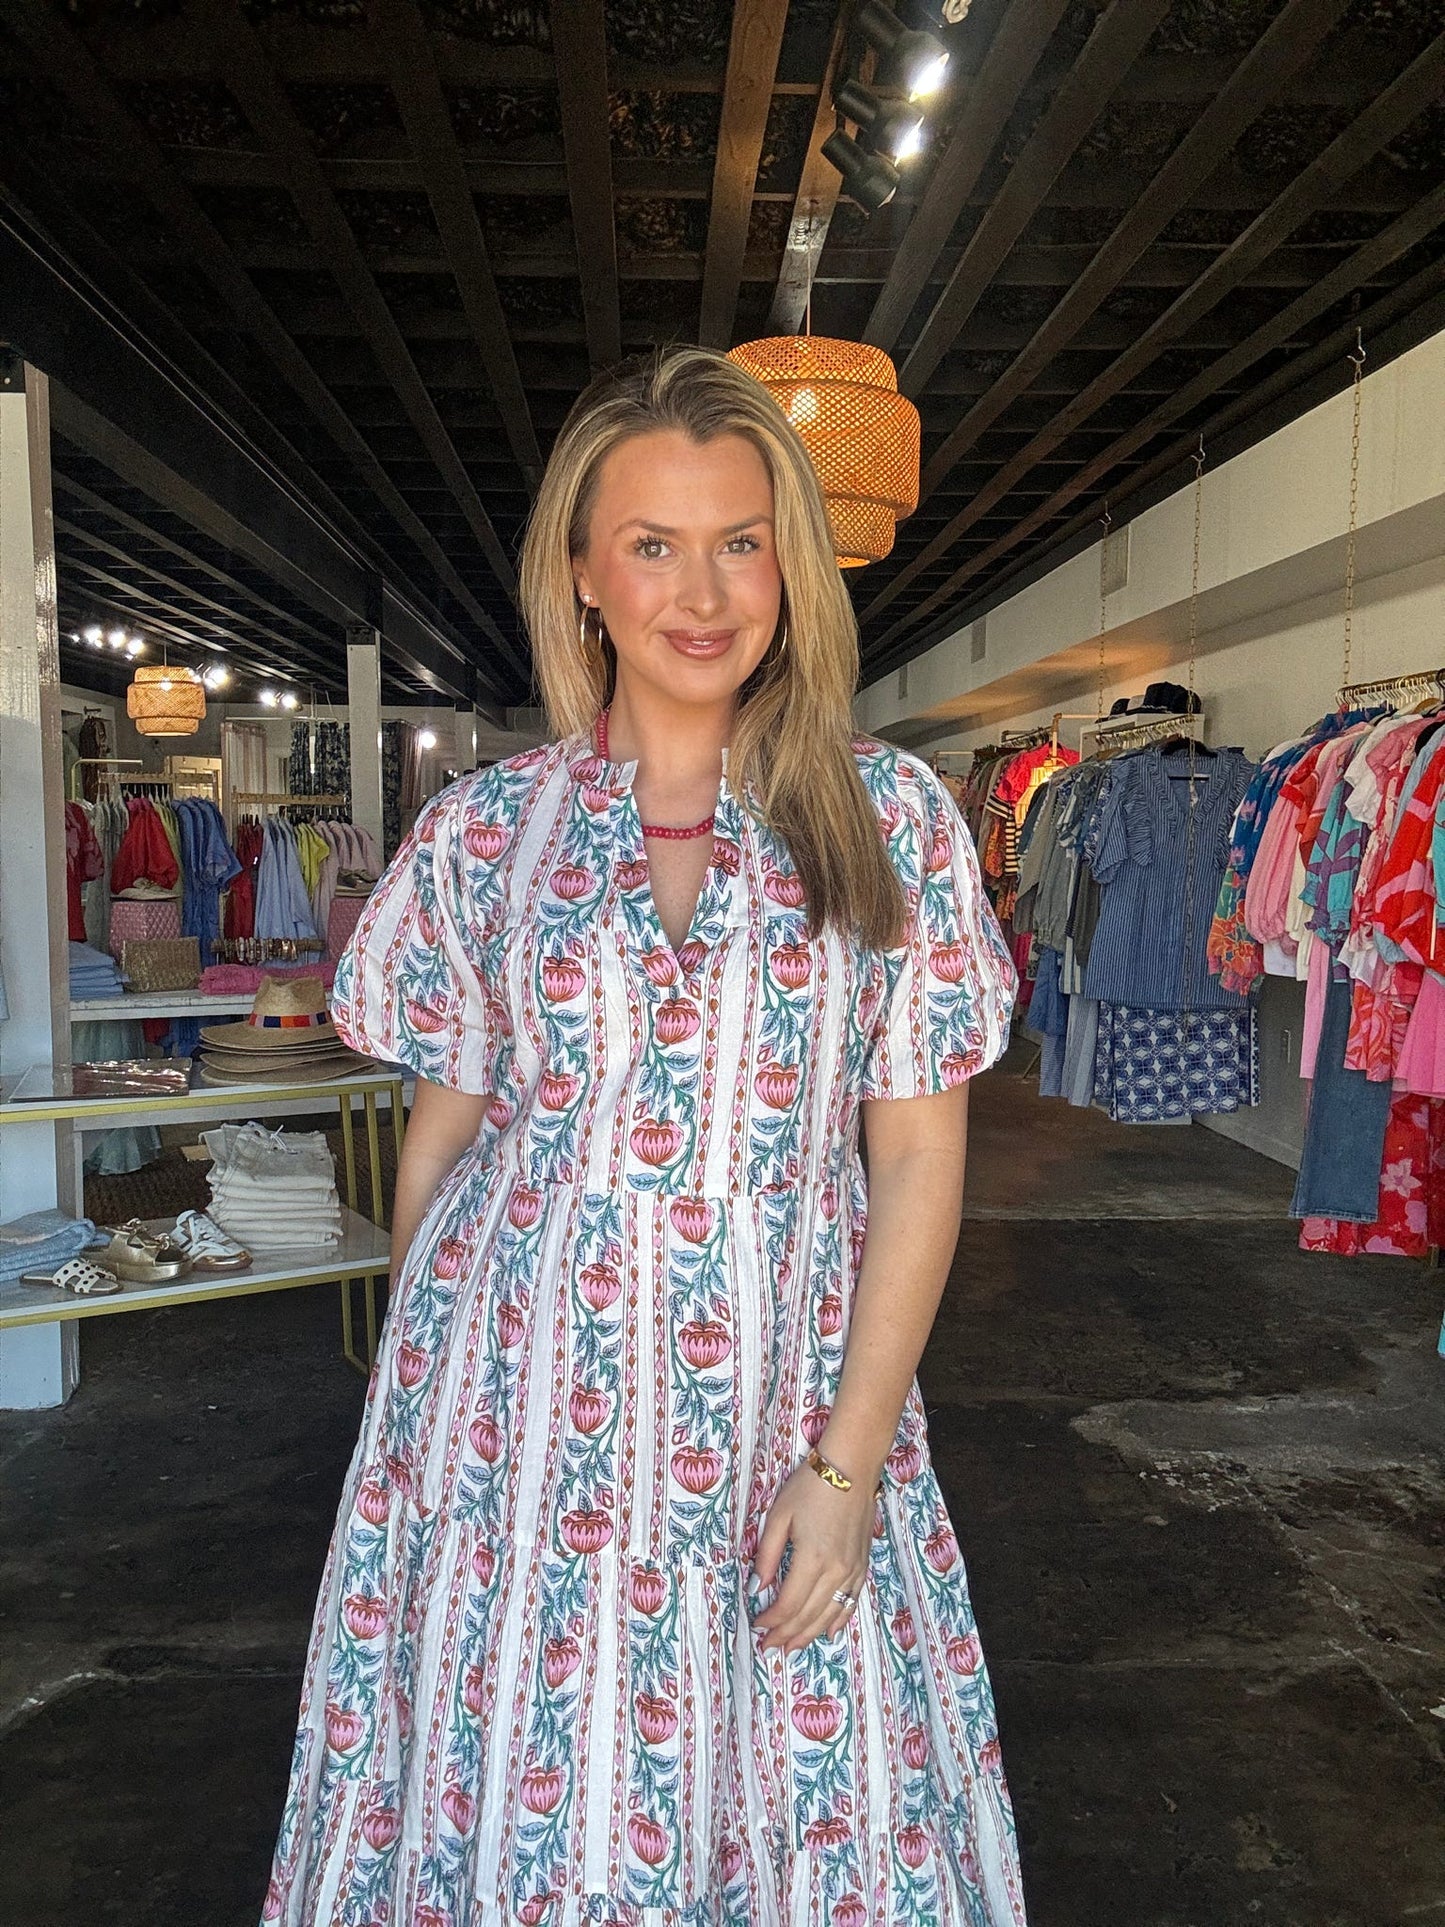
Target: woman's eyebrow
[[661, 528]]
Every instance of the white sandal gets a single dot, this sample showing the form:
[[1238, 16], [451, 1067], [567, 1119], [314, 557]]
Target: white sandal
[[77, 1276], [206, 1245]]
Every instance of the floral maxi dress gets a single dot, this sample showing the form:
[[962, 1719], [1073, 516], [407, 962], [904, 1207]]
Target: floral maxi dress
[[533, 1693]]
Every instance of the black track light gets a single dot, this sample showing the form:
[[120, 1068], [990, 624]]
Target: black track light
[[908, 59], [871, 179], [892, 127]]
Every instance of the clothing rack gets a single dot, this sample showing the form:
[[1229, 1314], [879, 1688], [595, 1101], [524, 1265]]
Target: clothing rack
[[1139, 735], [1420, 683], [107, 763], [144, 782], [285, 800], [1031, 738]]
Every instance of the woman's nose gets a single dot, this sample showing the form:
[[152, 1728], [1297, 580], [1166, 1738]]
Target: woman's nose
[[701, 592]]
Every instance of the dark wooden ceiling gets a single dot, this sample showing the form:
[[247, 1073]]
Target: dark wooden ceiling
[[404, 231]]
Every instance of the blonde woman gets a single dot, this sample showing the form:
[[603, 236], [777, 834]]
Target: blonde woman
[[643, 1604]]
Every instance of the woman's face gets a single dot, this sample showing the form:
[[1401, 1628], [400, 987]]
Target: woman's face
[[681, 562]]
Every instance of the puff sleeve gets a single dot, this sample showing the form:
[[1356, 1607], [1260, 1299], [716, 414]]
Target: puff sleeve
[[949, 987], [407, 988]]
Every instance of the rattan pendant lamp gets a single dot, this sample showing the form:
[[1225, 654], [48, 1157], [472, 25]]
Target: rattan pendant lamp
[[165, 701]]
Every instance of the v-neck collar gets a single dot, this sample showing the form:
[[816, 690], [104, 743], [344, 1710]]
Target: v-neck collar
[[587, 764]]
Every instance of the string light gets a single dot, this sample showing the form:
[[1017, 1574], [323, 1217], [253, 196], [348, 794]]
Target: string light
[[426, 739]]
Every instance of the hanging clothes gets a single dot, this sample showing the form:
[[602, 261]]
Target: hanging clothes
[[83, 862], [283, 909], [146, 853], [209, 865]]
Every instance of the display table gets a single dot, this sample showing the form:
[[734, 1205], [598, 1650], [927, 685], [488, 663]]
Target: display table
[[361, 1256]]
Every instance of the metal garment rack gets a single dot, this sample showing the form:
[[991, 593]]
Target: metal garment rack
[[1138, 736], [1421, 683], [284, 799]]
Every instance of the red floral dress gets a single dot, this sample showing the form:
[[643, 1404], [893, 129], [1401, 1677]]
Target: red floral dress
[[533, 1693]]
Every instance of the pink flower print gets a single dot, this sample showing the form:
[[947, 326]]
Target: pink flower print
[[830, 1314], [411, 1363], [557, 1089], [704, 1342], [698, 1467], [691, 954], [814, 1422], [591, 769], [380, 1828], [541, 1788], [905, 1461], [990, 1755], [649, 1589], [534, 1910], [365, 1614], [485, 841], [589, 1407], [403, 1716], [560, 1659], [948, 962], [915, 1747], [511, 1324], [571, 882], [792, 965], [890, 815], [849, 1912], [449, 1257], [271, 1909], [586, 1529], [691, 1219], [484, 1564], [460, 1808], [425, 1019], [913, 1845], [600, 1285], [562, 979], [656, 1140], [656, 1717], [940, 1548], [426, 923], [726, 856], [777, 1085], [817, 1716], [1417, 1215], [829, 1830], [677, 1020], [524, 1206], [940, 851], [474, 1691], [398, 1470], [596, 799], [632, 875], [963, 1653], [373, 1502], [661, 967], [344, 1728], [904, 1630], [1400, 1178], [486, 1437], [955, 1070], [649, 1841], [499, 1112], [730, 1861], [786, 889]]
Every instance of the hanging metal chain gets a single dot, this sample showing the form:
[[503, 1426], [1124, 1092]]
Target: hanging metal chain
[[1108, 522], [1358, 361], [1187, 959]]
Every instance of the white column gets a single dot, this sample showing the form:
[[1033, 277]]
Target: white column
[[363, 695], [39, 1364], [466, 739]]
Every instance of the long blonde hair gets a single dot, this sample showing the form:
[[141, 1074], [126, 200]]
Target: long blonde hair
[[791, 739]]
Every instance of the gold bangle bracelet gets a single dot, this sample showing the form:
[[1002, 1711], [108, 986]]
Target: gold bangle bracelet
[[830, 1475]]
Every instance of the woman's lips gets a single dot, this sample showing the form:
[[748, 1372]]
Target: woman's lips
[[702, 645]]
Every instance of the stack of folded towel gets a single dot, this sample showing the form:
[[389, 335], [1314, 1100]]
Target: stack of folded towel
[[93, 973], [273, 1190], [40, 1241]]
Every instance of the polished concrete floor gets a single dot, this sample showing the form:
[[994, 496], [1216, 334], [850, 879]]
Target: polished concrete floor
[[1197, 1476]]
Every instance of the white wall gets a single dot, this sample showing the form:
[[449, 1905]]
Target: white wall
[[1271, 623]]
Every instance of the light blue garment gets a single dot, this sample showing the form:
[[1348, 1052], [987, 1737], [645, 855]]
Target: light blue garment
[[209, 863], [283, 908], [41, 1240]]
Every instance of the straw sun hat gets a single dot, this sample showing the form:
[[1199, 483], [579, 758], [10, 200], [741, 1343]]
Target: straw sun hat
[[288, 1037]]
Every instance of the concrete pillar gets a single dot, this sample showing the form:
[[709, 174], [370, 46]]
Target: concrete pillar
[[39, 1364], [466, 739], [363, 695]]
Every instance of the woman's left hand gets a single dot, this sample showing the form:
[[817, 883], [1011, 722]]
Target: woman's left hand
[[831, 1533]]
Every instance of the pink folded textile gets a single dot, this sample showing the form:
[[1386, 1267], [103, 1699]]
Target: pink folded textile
[[223, 978]]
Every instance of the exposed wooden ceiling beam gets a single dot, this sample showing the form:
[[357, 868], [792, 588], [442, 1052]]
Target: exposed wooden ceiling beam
[[1109, 52], [819, 186], [69, 64], [757, 36], [1013, 53], [1290, 40], [579, 43], [1411, 93], [267, 107], [1362, 266], [412, 72]]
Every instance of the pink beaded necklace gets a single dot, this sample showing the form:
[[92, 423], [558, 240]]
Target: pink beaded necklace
[[653, 829]]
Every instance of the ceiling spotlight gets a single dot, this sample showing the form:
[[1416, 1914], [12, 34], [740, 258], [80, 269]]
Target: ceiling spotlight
[[893, 127], [871, 179], [93, 636], [288, 700], [909, 60], [116, 638], [217, 676], [135, 647], [75, 635], [267, 698], [427, 739]]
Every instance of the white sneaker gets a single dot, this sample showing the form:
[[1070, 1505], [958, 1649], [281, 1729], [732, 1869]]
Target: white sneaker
[[205, 1244]]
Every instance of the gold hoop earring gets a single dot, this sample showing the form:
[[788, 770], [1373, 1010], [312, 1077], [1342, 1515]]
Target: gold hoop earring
[[584, 639]]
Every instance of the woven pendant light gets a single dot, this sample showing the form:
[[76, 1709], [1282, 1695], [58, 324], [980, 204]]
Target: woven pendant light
[[863, 436], [166, 702]]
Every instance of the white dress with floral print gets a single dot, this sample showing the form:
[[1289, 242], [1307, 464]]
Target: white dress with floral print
[[533, 1693]]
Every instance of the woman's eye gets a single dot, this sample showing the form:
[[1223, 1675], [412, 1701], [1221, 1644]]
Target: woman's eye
[[749, 543], [649, 547]]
